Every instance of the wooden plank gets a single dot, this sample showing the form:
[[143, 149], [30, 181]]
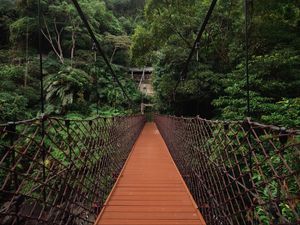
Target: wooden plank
[[150, 189], [148, 208], [185, 202], [181, 198], [151, 215], [149, 222]]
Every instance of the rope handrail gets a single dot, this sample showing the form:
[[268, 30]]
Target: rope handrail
[[61, 176], [239, 172], [253, 123], [43, 117]]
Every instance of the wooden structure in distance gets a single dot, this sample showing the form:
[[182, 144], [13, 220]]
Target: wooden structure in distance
[[143, 78], [150, 189]]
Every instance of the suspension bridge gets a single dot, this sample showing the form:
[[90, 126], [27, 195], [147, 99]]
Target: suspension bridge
[[124, 170], [120, 171]]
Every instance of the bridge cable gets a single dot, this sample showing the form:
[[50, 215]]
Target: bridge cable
[[26, 49], [184, 71], [247, 23], [95, 74], [246, 8], [42, 100], [92, 35]]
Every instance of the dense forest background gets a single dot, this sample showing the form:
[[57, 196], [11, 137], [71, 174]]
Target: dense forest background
[[216, 83], [76, 78], [156, 33]]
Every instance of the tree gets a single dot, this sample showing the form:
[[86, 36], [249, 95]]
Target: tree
[[67, 87], [121, 42], [7, 15], [215, 83]]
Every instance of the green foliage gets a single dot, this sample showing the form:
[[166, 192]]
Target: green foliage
[[15, 96], [163, 34], [19, 28], [109, 92], [216, 85], [12, 107], [74, 81], [286, 113], [142, 47], [7, 15], [274, 89], [66, 88], [12, 74], [125, 7]]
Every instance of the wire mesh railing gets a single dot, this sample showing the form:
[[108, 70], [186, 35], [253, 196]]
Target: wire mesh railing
[[57, 171], [237, 172]]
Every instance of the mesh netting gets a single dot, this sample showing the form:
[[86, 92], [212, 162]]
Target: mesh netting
[[238, 172], [56, 171]]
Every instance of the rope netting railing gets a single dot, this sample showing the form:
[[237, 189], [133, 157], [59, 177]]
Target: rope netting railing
[[238, 172], [57, 171]]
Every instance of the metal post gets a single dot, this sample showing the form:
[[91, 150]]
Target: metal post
[[248, 91], [247, 126], [43, 152], [283, 139], [41, 58], [42, 99], [11, 134]]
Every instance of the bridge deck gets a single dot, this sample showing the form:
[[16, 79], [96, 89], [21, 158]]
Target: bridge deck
[[150, 189]]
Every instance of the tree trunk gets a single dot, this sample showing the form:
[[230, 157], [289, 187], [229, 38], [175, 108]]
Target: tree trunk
[[57, 50], [73, 47], [113, 54]]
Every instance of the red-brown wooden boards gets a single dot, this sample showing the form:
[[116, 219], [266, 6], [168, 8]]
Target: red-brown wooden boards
[[150, 189]]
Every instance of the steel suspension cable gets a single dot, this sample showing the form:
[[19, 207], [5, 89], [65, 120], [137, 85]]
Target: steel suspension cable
[[41, 58], [184, 71], [247, 55], [42, 132], [92, 35], [26, 49]]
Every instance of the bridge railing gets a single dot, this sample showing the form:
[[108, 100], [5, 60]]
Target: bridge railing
[[237, 172], [57, 171]]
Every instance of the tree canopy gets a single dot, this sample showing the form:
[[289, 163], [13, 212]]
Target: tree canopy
[[159, 34], [216, 82], [75, 76]]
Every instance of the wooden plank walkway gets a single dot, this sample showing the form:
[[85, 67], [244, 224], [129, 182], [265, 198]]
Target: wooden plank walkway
[[150, 189]]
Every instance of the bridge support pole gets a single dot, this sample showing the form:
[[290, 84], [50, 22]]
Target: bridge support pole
[[12, 134]]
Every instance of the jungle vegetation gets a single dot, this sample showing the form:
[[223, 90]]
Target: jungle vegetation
[[152, 33], [75, 76], [157, 33], [216, 84]]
